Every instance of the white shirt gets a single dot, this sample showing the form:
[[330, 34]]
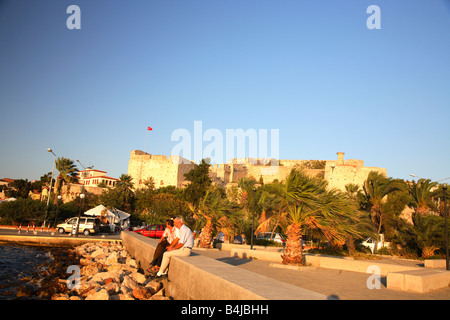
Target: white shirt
[[185, 236], [169, 234]]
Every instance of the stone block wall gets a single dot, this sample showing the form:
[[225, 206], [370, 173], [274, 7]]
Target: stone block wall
[[170, 171]]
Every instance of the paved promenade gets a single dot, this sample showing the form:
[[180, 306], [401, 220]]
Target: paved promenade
[[340, 284]]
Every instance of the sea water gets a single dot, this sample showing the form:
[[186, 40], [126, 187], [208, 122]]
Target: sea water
[[17, 263]]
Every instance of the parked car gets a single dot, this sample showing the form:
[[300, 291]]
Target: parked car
[[152, 231], [239, 240], [370, 243], [274, 236], [88, 225]]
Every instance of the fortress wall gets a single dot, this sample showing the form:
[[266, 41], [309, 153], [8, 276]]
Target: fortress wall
[[237, 172], [339, 176], [292, 163], [170, 171], [182, 169], [142, 166], [72, 191], [221, 172], [269, 173], [280, 173]]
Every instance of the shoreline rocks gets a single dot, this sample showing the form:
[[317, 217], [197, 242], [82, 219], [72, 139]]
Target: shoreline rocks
[[105, 272], [108, 272]]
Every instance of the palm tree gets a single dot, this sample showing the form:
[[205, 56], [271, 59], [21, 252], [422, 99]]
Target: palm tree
[[376, 188], [126, 182], [247, 186], [67, 173], [210, 210], [310, 204], [275, 205], [125, 188], [352, 190], [265, 202], [340, 215], [429, 231], [422, 196]]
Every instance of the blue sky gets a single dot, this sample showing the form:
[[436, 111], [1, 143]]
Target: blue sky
[[311, 69]]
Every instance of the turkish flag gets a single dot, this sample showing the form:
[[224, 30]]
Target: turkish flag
[[149, 129]]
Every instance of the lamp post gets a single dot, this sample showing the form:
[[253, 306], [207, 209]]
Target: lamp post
[[51, 181], [57, 205], [444, 188], [81, 197], [90, 167], [253, 218], [79, 214]]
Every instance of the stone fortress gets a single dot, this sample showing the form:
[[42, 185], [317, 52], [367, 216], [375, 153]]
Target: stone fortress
[[169, 171]]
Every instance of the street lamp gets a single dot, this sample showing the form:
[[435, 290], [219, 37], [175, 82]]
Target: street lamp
[[413, 175], [253, 218], [51, 181], [81, 197], [444, 188], [90, 167], [79, 214], [57, 205]]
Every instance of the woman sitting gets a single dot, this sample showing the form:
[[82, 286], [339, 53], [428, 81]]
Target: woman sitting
[[165, 241]]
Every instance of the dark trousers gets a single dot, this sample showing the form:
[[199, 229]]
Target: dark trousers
[[159, 251]]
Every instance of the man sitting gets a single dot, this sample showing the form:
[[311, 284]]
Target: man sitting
[[182, 246]]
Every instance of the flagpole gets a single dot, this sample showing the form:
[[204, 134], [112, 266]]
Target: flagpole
[[146, 137]]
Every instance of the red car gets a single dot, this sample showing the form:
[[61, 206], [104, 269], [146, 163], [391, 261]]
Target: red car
[[153, 231]]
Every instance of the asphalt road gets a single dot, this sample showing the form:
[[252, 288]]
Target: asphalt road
[[45, 233]]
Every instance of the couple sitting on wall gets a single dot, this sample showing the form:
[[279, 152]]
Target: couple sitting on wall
[[177, 240]]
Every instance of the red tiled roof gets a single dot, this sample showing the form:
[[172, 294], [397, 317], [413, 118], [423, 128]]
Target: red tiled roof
[[101, 177]]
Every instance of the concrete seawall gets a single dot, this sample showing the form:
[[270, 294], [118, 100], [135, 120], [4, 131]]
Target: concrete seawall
[[201, 278], [39, 240]]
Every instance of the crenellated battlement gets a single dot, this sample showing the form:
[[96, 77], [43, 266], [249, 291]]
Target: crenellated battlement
[[169, 171]]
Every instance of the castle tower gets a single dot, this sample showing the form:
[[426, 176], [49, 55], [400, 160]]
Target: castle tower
[[340, 161]]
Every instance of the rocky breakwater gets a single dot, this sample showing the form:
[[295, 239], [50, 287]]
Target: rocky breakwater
[[108, 272]]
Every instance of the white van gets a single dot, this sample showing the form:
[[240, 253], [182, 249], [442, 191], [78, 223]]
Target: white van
[[370, 243], [88, 225]]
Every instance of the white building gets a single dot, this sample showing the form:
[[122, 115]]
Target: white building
[[93, 177]]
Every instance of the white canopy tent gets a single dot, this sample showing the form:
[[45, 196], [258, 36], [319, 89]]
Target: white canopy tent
[[120, 215], [97, 212], [122, 218], [114, 215]]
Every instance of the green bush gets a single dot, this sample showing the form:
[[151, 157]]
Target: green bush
[[340, 252], [267, 243], [27, 210], [65, 211], [23, 210], [384, 251]]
